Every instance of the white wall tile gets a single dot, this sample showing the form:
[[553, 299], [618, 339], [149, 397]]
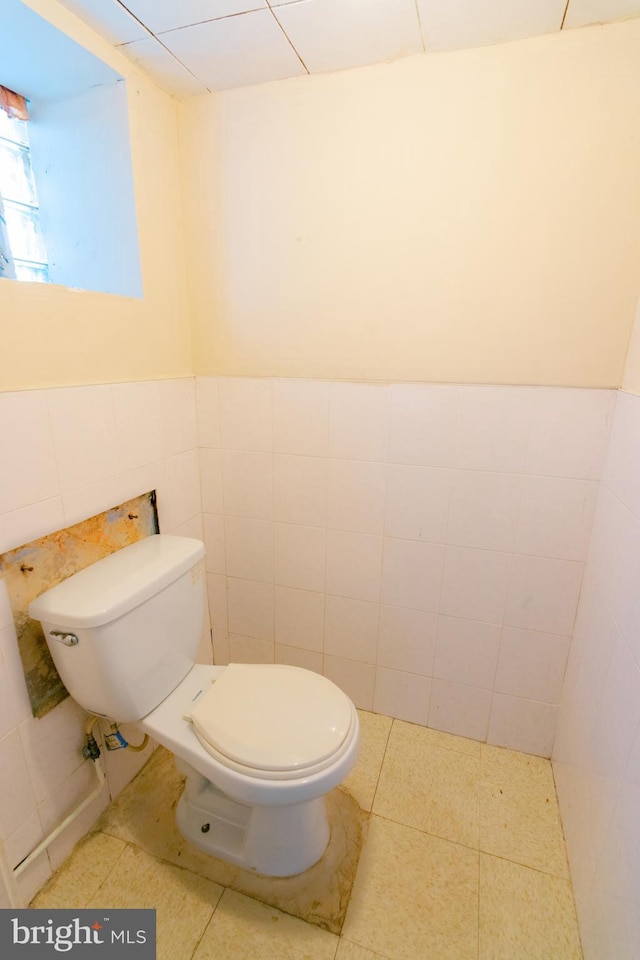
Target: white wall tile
[[88, 501], [295, 657], [622, 469], [245, 414], [475, 584], [23, 840], [247, 484], [354, 565], [138, 420], [358, 421], [179, 497], [13, 669], [543, 595], [417, 503], [531, 665], [17, 797], [250, 650], [300, 490], [423, 424], [355, 678], [250, 605], [53, 746], [177, 402], [29, 467], [407, 640], [493, 428], [569, 432], [220, 643], [356, 496], [8, 716], [412, 574], [207, 412], [556, 517], [249, 548], [402, 695], [467, 652], [299, 618], [300, 556], [211, 480], [301, 417], [484, 510], [459, 709], [351, 628], [28, 523], [84, 433], [525, 725], [215, 556]]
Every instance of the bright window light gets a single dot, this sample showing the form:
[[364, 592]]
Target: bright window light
[[18, 192]]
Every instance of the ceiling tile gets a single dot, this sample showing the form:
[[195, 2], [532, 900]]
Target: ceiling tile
[[162, 67], [337, 34], [161, 15], [109, 18], [236, 51], [455, 24], [583, 12]]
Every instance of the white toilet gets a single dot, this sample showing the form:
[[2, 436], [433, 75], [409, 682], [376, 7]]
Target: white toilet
[[260, 744]]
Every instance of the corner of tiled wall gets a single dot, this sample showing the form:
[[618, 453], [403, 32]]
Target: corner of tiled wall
[[422, 545]]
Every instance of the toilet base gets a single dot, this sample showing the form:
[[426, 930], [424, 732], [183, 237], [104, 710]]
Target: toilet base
[[276, 841]]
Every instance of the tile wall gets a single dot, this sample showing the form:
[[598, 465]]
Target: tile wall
[[68, 454], [421, 545], [597, 750]]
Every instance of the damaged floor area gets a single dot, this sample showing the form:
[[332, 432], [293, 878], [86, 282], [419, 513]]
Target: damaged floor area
[[440, 847]]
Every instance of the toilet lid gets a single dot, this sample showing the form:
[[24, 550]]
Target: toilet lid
[[273, 716]]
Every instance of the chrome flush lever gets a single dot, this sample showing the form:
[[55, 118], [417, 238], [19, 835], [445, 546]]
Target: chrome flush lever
[[69, 639]]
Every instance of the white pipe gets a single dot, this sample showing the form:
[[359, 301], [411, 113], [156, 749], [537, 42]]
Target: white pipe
[[8, 880], [65, 823]]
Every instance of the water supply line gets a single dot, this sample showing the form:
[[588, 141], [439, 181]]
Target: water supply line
[[90, 751]]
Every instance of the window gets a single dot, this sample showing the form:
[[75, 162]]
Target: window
[[80, 153], [19, 200]]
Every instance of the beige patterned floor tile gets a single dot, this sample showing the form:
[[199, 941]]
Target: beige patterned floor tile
[[243, 929], [82, 873], [144, 815], [429, 787], [415, 896], [519, 817], [183, 902], [352, 951], [525, 914], [363, 779], [438, 738]]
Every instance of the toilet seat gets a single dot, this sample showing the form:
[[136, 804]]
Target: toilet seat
[[274, 721]]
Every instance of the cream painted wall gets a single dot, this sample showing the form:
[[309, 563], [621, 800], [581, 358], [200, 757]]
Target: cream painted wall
[[470, 216], [631, 379], [53, 335]]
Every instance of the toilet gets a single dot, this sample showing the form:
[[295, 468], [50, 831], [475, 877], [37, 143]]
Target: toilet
[[260, 744]]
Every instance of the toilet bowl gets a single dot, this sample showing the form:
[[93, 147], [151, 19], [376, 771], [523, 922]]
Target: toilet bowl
[[260, 744], [262, 809]]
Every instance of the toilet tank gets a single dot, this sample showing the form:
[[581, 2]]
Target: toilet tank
[[137, 616]]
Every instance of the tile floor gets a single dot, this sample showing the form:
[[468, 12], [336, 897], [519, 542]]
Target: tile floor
[[463, 859]]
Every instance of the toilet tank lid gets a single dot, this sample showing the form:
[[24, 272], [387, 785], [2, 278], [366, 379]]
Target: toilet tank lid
[[119, 582]]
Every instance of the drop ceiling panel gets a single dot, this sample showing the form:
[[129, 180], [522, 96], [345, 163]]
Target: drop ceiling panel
[[161, 15], [583, 12], [336, 34], [109, 18], [455, 24], [163, 67], [236, 51]]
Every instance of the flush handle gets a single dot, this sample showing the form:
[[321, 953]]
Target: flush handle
[[69, 639]]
